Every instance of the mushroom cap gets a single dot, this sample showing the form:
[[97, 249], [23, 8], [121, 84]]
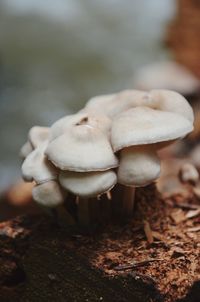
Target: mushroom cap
[[139, 166], [112, 105], [166, 75], [95, 120], [37, 167], [49, 194], [99, 103], [38, 135], [82, 148], [26, 149], [143, 125], [167, 100], [88, 184]]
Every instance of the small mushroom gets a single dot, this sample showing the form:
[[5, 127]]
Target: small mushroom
[[82, 151], [195, 156], [38, 135], [49, 194], [145, 130], [26, 149], [37, 167], [189, 174], [85, 186], [82, 148], [167, 75], [139, 166], [88, 184]]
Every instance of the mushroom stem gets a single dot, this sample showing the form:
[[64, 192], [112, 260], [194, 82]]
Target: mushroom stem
[[128, 201], [83, 211]]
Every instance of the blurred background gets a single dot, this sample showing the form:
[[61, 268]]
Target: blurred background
[[55, 55]]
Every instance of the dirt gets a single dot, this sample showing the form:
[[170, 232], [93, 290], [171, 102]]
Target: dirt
[[159, 246], [171, 259]]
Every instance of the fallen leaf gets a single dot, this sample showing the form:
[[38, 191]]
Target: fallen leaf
[[178, 216], [194, 229]]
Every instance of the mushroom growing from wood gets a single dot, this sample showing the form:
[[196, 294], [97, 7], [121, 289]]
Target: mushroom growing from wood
[[113, 140]]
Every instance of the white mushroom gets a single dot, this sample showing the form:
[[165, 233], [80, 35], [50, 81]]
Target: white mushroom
[[143, 126], [88, 184], [139, 166], [49, 194], [166, 75], [189, 174], [195, 156], [147, 129], [26, 149], [76, 153], [38, 135], [82, 148], [37, 167]]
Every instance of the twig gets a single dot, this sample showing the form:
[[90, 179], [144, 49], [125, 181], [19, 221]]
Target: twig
[[135, 264], [185, 205]]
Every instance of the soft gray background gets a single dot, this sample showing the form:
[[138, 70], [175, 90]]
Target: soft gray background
[[54, 55]]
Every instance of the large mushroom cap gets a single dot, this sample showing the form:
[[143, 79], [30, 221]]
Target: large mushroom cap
[[89, 184], [143, 125], [37, 167], [82, 148], [49, 194], [97, 120], [38, 135]]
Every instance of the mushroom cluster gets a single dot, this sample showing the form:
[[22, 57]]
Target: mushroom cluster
[[113, 139]]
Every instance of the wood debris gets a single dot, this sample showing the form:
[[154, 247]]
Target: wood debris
[[178, 216], [192, 213], [194, 229], [135, 264], [148, 232], [186, 205], [196, 191]]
